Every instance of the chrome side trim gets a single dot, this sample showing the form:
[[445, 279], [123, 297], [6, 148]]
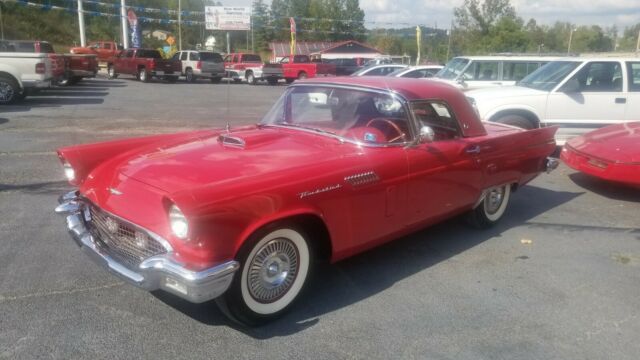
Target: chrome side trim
[[368, 177]]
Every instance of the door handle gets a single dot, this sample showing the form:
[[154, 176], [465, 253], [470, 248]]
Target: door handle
[[474, 149], [621, 100]]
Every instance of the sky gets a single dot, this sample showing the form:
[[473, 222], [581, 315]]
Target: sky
[[402, 13], [605, 13]]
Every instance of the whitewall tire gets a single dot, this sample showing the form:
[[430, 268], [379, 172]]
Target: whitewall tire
[[492, 207], [275, 266]]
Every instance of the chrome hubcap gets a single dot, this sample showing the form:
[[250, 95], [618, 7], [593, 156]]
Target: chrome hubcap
[[6, 91], [494, 200], [273, 270]]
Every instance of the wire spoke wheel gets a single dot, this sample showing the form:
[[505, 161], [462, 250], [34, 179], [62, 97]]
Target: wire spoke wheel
[[273, 270], [6, 91]]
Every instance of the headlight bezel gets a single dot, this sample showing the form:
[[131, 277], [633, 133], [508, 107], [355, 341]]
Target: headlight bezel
[[178, 222]]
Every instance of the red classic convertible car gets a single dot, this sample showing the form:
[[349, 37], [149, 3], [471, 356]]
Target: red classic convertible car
[[336, 167], [610, 153]]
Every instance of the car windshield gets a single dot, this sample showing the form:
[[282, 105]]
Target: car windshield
[[210, 56], [355, 115], [549, 76], [453, 69]]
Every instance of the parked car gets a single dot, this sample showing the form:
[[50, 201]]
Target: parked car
[[475, 72], [25, 67], [144, 64], [579, 94], [345, 66], [417, 72], [104, 50], [245, 66], [379, 70], [336, 167], [611, 153], [296, 67], [200, 64], [78, 67]]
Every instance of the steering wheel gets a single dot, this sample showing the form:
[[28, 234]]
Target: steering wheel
[[401, 135]]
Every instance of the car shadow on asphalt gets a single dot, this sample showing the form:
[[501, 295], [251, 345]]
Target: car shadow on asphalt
[[608, 189], [362, 276], [3, 121], [48, 187]]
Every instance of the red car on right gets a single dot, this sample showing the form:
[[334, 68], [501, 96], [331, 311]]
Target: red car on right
[[610, 153]]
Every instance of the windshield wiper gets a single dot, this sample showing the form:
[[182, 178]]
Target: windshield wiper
[[306, 127]]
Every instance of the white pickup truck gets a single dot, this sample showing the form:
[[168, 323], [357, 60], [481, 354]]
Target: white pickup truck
[[578, 94], [24, 67]]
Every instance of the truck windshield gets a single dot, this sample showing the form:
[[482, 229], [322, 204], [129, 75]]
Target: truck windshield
[[211, 56], [152, 54], [453, 69], [549, 76], [251, 58], [361, 116]]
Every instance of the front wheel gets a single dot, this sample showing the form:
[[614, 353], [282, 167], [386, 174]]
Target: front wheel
[[491, 208], [251, 79], [143, 75], [276, 264], [9, 90]]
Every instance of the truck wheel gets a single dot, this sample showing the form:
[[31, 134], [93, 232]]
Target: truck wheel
[[9, 90], [188, 75], [142, 75], [111, 72], [515, 120], [491, 208], [272, 81], [251, 79], [303, 75], [275, 266], [216, 80]]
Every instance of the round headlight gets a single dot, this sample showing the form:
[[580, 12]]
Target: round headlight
[[179, 223], [69, 173]]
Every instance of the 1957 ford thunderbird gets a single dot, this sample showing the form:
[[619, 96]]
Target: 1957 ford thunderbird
[[337, 166]]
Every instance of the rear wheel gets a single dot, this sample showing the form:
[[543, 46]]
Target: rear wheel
[[303, 75], [251, 79], [275, 265], [143, 75], [188, 75], [492, 207], [9, 90], [516, 120]]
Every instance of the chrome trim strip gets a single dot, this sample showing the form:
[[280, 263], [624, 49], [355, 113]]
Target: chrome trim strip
[[158, 272], [362, 178]]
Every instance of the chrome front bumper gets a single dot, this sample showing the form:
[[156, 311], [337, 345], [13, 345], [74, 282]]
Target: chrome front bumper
[[157, 272], [551, 164]]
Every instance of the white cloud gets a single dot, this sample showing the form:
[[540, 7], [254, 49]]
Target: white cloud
[[597, 12]]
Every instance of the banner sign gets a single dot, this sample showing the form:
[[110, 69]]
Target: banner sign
[[136, 39], [227, 18]]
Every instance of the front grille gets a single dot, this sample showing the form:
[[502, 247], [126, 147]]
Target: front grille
[[122, 240]]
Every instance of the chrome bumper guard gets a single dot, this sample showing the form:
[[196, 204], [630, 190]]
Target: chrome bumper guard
[[551, 164], [157, 272]]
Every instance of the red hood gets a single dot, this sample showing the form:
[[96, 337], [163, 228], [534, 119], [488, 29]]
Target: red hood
[[616, 143], [205, 161]]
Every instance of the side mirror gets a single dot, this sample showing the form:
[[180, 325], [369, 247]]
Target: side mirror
[[426, 134], [571, 86]]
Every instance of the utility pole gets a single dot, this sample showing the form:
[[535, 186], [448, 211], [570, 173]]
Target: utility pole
[[180, 25], [251, 25], [1, 24], [570, 38], [450, 36], [83, 39], [638, 44], [123, 23]]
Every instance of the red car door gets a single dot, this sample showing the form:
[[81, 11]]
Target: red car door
[[444, 175]]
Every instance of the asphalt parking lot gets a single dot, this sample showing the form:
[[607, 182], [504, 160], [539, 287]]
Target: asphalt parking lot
[[558, 278]]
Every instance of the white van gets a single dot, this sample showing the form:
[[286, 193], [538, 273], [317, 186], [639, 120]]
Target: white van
[[474, 72]]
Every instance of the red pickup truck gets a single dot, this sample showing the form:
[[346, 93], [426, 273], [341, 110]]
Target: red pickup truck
[[239, 66], [78, 67], [295, 67], [144, 64], [104, 50]]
